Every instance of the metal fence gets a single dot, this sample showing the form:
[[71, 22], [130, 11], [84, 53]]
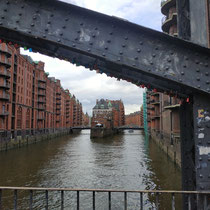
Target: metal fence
[[62, 192]]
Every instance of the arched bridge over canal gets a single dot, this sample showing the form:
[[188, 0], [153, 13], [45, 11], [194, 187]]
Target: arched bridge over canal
[[126, 51]]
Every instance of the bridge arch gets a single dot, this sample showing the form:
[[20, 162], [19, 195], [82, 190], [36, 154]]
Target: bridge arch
[[127, 51]]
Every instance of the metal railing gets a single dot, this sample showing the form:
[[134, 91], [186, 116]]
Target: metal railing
[[30, 193]]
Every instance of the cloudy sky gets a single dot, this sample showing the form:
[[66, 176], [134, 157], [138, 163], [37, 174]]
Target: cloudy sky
[[89, 86]]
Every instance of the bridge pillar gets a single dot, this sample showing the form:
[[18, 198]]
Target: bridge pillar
[[195, 147]]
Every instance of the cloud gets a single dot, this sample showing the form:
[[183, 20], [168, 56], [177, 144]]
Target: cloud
[[89, 86]]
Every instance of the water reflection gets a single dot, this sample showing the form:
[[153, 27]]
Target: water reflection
[[127, 161]]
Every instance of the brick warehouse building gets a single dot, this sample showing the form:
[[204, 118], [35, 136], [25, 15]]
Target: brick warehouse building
[[30, 101], [110, 113], [135, 119]]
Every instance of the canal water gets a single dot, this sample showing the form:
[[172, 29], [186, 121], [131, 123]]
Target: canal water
[[127, 161]]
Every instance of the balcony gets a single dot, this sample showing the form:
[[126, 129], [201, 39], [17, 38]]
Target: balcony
[[41, 93], [58, 113], [6, 62], [5, 50], [6, 74], [5, 85], [58, 108], [41, 86], [168, 21], [40, 118], [5, 97], [41, 80], [3, 113], [155, 102], [58, 93], [58, 103], [41, 101], [166, 5], [58, 98]]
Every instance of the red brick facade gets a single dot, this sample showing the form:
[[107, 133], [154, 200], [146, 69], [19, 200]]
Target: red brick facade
[[135, 119], [110, 113], [30, 101]]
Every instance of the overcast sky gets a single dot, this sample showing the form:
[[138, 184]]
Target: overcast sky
[[89, 86]]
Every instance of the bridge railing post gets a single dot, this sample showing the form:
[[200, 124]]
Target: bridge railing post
[[201, 113]]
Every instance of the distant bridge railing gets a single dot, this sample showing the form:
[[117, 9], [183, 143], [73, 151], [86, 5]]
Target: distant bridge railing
[[130, 128], [30, 192]]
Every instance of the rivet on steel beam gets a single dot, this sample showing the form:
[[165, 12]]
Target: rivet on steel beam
[[44, 36], [198, 78], [123, 45], [32, 24], [156, 48], [118, 59], [134, 64], [5, 10], [59, 40], [37, 11], [121, 52], [34, 18], [180, 80], [80, 23], [76, 39], [186, 58], [207, 82], [169, 60], [184, 66], [200, 158], [209, 159], [165, 75], [151, 63], [202, 188], [78, 31], [153, 55], [166, 68], [96, 28], [172, 53], [91, 43], [197, 70], [136, 58], [201, 176], [64, 27], [206, 64], [2, 17], [7, 2], [88, 49], [182, 73], [141, 43], [93, 35], [110, 33], [49, 22], [0, 23], [104, 54], [109, 41], [74, 45], [106, 48], [67, 20], [207, 73], [51, 15], [208, 89], [46, 29], [197, 61], [22, 7]]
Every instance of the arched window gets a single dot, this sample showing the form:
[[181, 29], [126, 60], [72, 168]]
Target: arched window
[[19, 118], [28, 119]]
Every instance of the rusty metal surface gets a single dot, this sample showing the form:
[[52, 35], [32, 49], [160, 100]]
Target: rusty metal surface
[[98, 41]]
